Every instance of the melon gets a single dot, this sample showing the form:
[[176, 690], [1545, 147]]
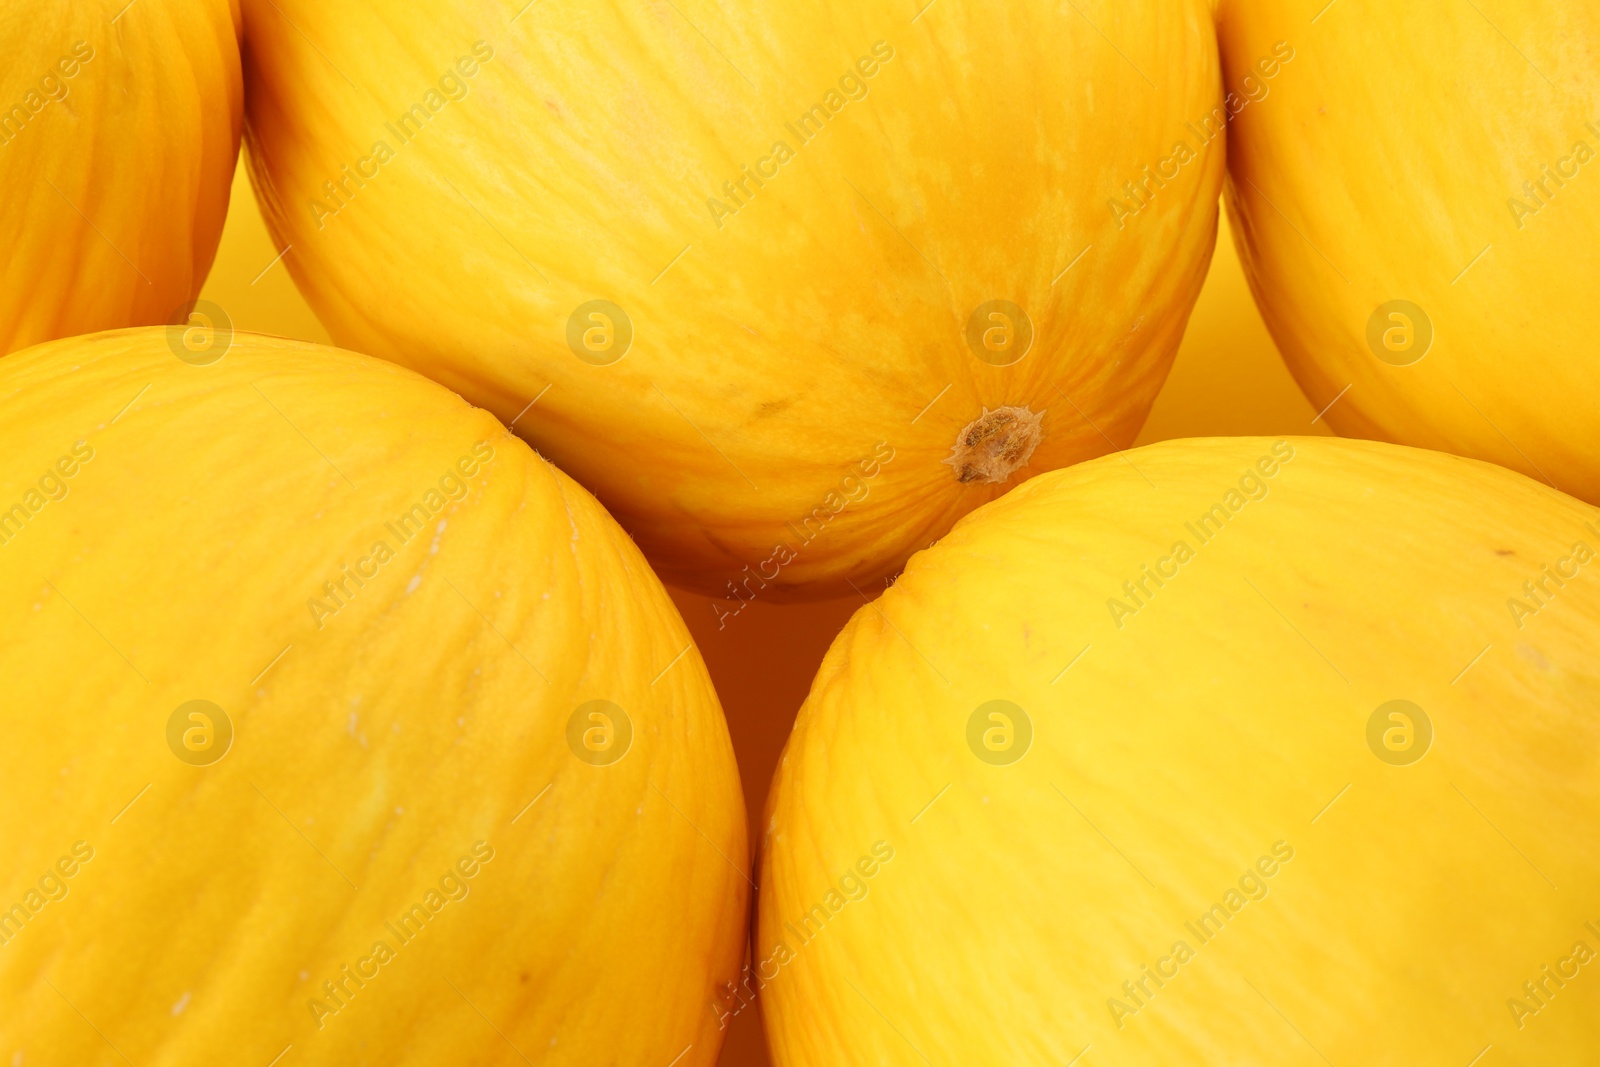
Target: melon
[[790, 288], [119, 130], [1416, 201], [1238, 751], [340, 729]]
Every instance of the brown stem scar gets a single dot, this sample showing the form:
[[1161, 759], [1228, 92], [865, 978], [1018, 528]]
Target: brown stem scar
[[993, 445]]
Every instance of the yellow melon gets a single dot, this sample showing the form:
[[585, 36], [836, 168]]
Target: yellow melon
[[339, 728], [791, 288], [1417, 204], [119, 129], [1241, 751]]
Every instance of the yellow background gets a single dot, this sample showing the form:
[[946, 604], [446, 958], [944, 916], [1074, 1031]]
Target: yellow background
[[1228, 380]]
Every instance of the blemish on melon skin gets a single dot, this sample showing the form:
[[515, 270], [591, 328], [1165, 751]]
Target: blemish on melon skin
[[1534, 656]]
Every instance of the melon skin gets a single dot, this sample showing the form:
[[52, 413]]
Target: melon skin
[[1215, 749], [1458, 176], [118, 139], [402, 730], [796, 356]]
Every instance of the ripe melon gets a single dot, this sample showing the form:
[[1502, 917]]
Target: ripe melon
[[339, 726], [119, 129], [1416, 199], [789, 287], [1240, 752]]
